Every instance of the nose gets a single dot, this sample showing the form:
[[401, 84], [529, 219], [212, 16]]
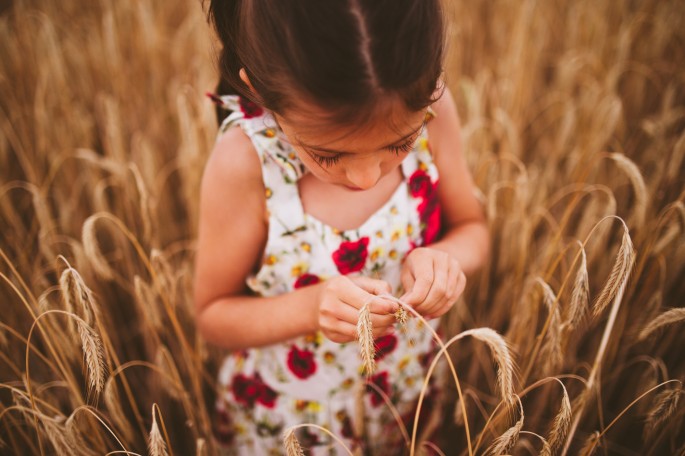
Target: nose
[[364, 175]]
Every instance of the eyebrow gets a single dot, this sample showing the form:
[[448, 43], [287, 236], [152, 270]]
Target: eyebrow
[[332, 151]]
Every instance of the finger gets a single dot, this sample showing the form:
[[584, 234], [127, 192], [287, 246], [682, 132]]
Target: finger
[[453, 280], [422, 284], [339, 337], [459, 285], [382, 332], [344, 328], [437, 295], [348, 292], [382, 321], [373, 286], [407, 279], [382, 314]]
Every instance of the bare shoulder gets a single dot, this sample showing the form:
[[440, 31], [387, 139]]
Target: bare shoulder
[[231, 221], [233, 156]]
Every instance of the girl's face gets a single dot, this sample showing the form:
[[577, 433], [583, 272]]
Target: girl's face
[[354, 157]]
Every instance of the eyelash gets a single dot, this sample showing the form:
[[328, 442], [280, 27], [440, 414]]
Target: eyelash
[[406, 147], [330, 161], [326, 161]]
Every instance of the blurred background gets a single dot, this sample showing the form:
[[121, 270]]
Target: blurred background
[[573, 118]]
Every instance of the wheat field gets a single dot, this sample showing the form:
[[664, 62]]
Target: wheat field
[[570, 341]]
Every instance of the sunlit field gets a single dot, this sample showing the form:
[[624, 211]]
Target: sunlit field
[[573, 117]]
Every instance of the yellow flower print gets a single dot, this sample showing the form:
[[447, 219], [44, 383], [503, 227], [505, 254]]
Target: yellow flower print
[[347, 383], [375, 253], [423, 144], [423, 166], [301, 405], [404, 362], [379, 234], [329, 357], [410, 229], [299, 268], [314, 407], [306, 247], [269, 133], [292, 156], [393, 210], [410, 381], [314, 338], [270, 260], [268, 192], [393, 254], [396, 234]]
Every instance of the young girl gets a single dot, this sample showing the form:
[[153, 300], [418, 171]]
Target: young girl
[[320, 195]]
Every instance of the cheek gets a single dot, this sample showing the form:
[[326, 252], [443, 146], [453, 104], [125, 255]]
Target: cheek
[[392, 161]]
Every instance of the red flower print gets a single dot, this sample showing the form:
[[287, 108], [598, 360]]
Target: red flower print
[[306, 279], [301, 362], [249, 108], [351, 256], [385, 345], [267, 396], [420, 184], [248, 390], [430, 213], [347, 430], [223, 428], [381, 381], [245, 389]]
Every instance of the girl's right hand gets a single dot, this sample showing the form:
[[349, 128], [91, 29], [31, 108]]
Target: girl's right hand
[[340, 300]]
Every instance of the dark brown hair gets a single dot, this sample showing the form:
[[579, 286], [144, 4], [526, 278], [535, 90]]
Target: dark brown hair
[[343, 55]]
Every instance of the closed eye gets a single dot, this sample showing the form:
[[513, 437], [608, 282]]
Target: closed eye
[[406, 147], [325, 160]]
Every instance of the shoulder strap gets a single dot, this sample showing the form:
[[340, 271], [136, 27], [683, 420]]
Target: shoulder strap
[[281, 168]]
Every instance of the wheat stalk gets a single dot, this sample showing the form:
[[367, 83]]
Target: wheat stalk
[[665, 406], [667, 318], [92, 348], [365, 335], [92, 249], [551, 350], [505, 442], [292, 445], [155, 444], [638, 183], [619, 273], [560, 426], [590, 444], [580, 294]]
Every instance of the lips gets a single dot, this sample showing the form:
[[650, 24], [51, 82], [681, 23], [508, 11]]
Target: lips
[[354, 189]]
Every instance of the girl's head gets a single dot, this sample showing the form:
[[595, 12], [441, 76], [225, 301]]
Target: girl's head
[[343, 56], [334, 65]]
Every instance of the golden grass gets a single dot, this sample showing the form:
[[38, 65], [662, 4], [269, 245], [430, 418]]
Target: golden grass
[[573, 118]]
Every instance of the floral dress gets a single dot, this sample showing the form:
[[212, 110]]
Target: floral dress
[[311, 379]]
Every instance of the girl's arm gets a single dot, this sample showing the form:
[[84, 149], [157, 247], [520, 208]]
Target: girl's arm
[[466, 236], [435, 276], [232, 233]]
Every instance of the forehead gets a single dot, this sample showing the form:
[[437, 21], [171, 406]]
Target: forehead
[[381, 125]]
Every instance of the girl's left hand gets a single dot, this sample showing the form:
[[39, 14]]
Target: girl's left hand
[[432, 280]]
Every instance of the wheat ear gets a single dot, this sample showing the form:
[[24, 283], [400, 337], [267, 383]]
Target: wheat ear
[[366, 343], [667, 318]]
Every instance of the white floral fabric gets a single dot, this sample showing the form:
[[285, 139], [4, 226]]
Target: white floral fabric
[[312, 379]]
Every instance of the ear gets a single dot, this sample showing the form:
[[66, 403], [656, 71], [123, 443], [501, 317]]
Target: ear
[[243, 76]]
